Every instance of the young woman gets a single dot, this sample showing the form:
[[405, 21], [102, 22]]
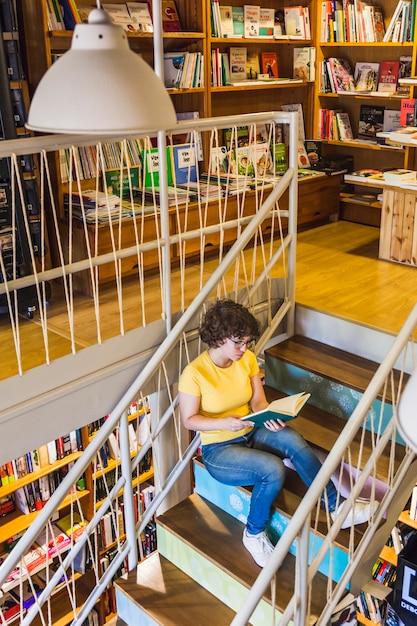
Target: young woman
[[216, 390]]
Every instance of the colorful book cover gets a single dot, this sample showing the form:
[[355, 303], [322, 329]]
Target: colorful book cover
[[173, 66], [343, 125], [251, 15], [266, 23], [269, 63], [238, 21], [366, 76], [408, 112], [280, 157], [294, 22], [184, 164], [303, 63], [140, 16], [53, 542], [388, 76], [170, 18], [371, 121], [261, 158], [237, 63], [342, 75], [253, 68], [151, 167], [226, 20]]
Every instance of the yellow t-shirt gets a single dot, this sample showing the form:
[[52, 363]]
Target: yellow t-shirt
[[222, 391]]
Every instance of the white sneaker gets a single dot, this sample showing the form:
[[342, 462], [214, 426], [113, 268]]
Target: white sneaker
[[259, 547], [361, 512]]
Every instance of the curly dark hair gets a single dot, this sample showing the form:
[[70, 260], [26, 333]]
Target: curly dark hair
[[226, 319]]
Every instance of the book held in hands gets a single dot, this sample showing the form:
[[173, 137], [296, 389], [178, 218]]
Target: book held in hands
[[285, 409]]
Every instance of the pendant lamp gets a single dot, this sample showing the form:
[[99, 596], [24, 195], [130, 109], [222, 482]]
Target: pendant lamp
[[407, 412], [100, 87]]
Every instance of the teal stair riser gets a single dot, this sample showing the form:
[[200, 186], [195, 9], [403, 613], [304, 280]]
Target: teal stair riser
[[236, 502], [326, 394], [130, 613], [210, 576]]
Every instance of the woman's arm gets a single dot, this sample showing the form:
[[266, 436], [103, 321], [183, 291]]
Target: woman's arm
[[258, 400], [192, 420]]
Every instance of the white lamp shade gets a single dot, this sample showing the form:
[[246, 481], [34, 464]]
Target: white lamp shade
[[100, 87], [407, 412]]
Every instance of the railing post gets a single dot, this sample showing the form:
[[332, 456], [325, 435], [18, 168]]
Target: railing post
[[301, 575], [128, 505]]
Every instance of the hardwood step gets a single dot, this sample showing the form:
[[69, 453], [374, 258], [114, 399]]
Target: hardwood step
[[215, 538], [159, 591], [321, 429], [318, 358]]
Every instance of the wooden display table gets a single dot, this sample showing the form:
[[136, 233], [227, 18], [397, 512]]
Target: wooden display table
[[398, 235]]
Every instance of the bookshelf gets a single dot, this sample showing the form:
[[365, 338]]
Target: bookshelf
[[363, 152]]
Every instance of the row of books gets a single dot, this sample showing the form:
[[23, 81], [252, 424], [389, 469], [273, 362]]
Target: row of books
[[135, 17], [336, 124], [33, 497], [41, 457], [183, 70], [367, 77], [253, 21], [85, 160], [355, 22], [401, 26]]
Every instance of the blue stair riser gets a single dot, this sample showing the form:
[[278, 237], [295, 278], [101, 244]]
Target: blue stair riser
[[327, 395], [236, 502], [130, 612], [214, 579]]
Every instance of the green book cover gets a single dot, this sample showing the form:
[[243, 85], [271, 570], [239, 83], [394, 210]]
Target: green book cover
[[285, 409], [151, 167], [237, 16]]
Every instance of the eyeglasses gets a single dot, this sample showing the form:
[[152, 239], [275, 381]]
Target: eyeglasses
[[243, 344]]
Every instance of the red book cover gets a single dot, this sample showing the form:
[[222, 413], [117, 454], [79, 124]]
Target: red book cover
[[407, 111], [388, 76], [269, 63]]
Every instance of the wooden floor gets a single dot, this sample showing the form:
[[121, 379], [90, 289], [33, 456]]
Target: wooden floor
[[338, 271]]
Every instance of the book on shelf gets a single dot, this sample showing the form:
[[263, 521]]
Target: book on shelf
[[269, 64], [218, 162], [241, 161], [171, 22], [340, 74], [261, 158], [371, 121], [140, 16], [344, 127], [294, 22], [151, 167], [266, 23], [119, 15], [279, 24], [403, 73], [237, 62], [345, 612], [391, 120], [10, 609], [400, 175], [295, 107], [366, 76], [226, 21], [238, 21], [72, 525], [279, 155], [388, 76], [251, 20], [363, 198], [184, 164], [304, 63], [408, 112], [285, 409], [53, 541], [253, 67]]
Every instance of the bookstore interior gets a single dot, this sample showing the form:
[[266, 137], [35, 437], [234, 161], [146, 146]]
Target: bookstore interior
[[349, 71]]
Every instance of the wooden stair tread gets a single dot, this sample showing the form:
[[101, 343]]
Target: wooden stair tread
[[332, 363], [289, 499], [218, 535], [321, 430], [170, 597]]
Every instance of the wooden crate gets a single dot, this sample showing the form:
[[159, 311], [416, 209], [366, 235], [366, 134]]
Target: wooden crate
[[398, 236]]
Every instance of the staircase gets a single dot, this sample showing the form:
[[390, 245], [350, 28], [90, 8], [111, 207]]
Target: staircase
[[202, 573]]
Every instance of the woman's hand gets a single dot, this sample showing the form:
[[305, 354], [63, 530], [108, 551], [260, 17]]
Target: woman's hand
[[275, 425], [235, 423]]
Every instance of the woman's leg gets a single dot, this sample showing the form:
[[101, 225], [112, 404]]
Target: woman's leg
[[289, 444], [236, 464]]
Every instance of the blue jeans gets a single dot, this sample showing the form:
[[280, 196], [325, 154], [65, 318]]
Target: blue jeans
[[257, 459]]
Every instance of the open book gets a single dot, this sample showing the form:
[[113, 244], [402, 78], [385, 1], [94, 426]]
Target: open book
[[285, 409]]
